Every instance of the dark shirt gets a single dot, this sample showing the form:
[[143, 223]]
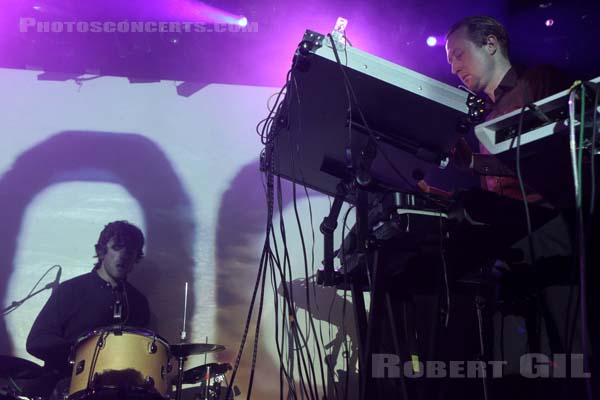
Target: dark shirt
[[515, 90], [75, 308]]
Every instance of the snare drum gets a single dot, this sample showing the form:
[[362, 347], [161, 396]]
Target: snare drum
[[127, 360]]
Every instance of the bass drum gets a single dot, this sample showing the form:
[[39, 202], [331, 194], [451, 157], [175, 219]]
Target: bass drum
[[120, 363]]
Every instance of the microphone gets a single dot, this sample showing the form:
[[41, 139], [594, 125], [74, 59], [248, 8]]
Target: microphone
[[56, 282], [118, 304]]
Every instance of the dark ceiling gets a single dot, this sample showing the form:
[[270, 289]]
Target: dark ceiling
[[393, 30]]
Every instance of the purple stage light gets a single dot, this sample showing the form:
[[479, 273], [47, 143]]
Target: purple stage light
[[549, 22], [431, 41]]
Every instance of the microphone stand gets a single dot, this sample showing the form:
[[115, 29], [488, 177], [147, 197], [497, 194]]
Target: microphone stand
[[16, 304]]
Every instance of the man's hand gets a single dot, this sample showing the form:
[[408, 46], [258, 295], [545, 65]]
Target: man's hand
[[461, 155]]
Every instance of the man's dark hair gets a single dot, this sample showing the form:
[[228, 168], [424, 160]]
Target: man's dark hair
[[479, 27], [123, 233]]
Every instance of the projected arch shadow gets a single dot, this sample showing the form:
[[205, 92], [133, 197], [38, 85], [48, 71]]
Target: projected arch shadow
[[141, 168], [240, 234]]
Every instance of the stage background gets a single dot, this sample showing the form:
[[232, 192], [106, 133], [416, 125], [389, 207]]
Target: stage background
[[77, 155]]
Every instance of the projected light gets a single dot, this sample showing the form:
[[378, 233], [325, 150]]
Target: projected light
[[549, 22], [207, 13], [431, 41]]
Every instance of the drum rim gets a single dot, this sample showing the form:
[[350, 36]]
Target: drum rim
[[125, 329]]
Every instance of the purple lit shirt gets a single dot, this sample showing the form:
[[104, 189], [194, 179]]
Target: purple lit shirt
[[514, 91]]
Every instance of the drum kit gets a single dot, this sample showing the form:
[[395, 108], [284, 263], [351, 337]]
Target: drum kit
[[124, 363]]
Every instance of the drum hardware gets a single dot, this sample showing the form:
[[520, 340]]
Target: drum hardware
[[120, 360], [209, 377], [212, 370], [152, 346], [183, 337], [188, 349], [80, 367], [150, 381], [14, 367], [185, 298], [182, 350]]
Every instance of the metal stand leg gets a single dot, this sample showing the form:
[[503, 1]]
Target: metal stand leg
[[479, 306], [180, 362]]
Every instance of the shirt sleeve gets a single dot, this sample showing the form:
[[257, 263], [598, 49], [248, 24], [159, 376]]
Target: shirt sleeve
[[45, 340]]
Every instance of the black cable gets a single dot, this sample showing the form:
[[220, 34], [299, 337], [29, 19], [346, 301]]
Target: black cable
[[310, 326], [538, 299], [263, 128], [285, 331], [353, 99], [250, 312], [522, 184], [275, 264], [287, 292], [16, 305], [257, 334], [445, 273], [595, 128], [286, 261], [581, 249], [332, 362], [345, 302], [275, 261], [290, 295], [276, 308], [569, 328], [308, 305]]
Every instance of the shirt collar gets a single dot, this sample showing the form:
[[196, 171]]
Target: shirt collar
[[507, 83], [99, 280]]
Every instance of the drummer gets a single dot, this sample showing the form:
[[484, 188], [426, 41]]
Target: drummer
[[102, 297]]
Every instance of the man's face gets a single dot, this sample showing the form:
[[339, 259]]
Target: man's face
[[472, 63], [118, 260]]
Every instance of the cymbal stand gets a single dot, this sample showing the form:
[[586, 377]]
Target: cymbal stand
[[181, 359]]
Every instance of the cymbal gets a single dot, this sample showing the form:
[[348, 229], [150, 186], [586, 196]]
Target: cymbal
[[15, 367], [187, 349]]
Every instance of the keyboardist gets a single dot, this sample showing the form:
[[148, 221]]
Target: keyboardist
[[477, 50]]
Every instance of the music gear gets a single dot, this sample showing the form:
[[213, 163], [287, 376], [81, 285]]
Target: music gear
[[57, 279], [112, 361], [544, 145], [548, 117], [182, 351], [118, 302], [374, 134], [407, 233], [204, 372], [351, 125], [188, 349], [318, 131]]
